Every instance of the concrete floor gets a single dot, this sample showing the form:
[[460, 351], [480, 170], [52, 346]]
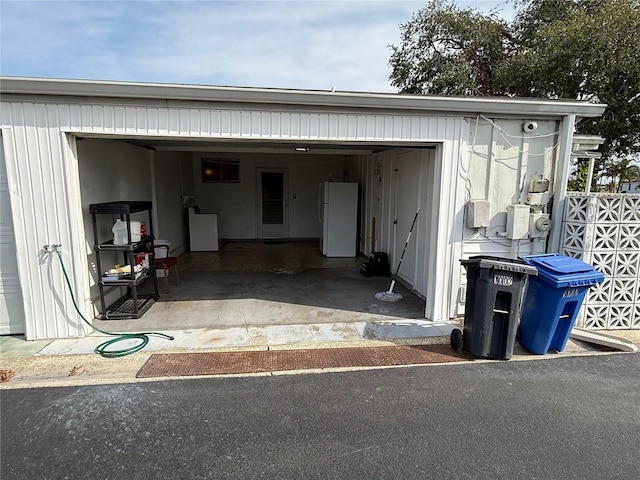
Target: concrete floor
[[257, 295], [258, 284]]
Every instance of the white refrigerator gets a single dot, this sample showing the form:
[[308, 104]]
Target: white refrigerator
[[338, 215]]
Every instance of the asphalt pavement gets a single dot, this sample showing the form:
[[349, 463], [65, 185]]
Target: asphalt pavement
[[571, 418]]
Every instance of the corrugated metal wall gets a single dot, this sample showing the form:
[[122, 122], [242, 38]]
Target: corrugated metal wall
[[11, 303], [46, 209], [502, 161], [432, 270], [176, 121], [42, 171]]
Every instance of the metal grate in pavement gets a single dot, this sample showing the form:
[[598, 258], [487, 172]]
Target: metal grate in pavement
[[226, 363]]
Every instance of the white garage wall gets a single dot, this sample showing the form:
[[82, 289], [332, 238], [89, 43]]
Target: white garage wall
[[45, 192], [502, 161], [110, 171], [47, 204], [415, 188], [396, 182], [186, 174], [236, 203], [11, 303], [46, 209], [170, 222]]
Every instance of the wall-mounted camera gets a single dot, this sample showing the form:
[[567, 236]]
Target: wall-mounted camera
[[530, 126]]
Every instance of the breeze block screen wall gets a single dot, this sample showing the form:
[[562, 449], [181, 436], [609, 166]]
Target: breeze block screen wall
[[604, 231]]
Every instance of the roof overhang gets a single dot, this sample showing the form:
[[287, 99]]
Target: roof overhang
[[303, 98], [587, 142]]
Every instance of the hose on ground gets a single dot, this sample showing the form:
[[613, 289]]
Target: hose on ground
[[104, 348]]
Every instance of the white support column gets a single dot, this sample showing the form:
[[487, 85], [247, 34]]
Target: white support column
[[560, 181], [76, 251], [587, 188], [447, 218]]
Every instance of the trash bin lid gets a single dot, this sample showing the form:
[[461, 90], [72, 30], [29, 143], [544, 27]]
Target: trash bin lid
[[500, 263], [559, 264], [562, 270]]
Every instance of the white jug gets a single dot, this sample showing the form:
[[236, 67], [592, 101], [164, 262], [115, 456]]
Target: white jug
[[120, 233]]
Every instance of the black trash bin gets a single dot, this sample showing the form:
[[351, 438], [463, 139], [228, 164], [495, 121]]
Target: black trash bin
[[495, 288]]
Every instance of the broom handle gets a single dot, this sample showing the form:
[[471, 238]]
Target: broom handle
[[406, 243]]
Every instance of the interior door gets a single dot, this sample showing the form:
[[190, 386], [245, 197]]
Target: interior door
[[407, 170], [273, 203]]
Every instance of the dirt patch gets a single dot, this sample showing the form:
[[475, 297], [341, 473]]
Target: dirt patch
[[74, 370], [6, 375]]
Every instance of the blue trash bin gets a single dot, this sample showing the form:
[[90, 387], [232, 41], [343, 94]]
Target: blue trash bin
[[553, 300]]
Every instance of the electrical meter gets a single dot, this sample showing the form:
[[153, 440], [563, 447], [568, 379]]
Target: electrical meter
[[539, 225]]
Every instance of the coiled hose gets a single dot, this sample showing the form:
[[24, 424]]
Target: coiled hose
[[103, 348]]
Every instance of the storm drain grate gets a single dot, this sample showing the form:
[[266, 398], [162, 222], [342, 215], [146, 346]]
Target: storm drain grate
[[226, 363]]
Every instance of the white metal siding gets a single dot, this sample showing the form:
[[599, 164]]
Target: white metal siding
[[42, 168], [44, 212], [264, 125], [11, 306], [42, 164], [502, 160]]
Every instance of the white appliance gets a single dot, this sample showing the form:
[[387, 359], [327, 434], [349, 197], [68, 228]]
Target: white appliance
[[338, 214], [203, 231]]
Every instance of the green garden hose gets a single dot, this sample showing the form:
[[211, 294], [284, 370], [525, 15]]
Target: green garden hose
[[103, 348]]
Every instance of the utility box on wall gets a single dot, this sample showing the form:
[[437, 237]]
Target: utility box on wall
[[539, 185], [517, 222], [478, 213]]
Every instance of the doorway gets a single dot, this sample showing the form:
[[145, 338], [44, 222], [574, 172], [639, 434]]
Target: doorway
[[414, 186], [273, 203]]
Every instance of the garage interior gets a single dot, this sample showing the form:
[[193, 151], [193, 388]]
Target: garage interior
[[253, 280], [256, 284]]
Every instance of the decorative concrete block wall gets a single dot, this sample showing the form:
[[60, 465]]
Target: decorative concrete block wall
[[604, 231]]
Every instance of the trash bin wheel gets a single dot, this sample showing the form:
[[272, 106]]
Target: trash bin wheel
[[456, 339]]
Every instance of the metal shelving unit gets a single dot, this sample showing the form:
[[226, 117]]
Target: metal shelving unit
[[131, 304]]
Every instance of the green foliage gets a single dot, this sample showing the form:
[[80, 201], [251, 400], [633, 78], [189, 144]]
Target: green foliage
[[578, 179], [591, 52], [620, 171], [448, 51], [581, 49], [608, 175]]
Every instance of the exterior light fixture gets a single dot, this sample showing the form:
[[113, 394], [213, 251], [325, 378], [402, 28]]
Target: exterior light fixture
[[302, 149]]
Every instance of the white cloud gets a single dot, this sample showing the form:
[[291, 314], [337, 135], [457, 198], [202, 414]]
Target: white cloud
[[291, 44]]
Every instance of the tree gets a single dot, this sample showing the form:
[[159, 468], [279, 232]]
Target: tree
[[448, 51], [578, 177], [619, 172], [591, 53], [582, 49]]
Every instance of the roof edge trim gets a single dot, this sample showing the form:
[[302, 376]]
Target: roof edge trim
[[113, 89]]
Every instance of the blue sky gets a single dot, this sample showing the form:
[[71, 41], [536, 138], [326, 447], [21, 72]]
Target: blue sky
[[289, 44]]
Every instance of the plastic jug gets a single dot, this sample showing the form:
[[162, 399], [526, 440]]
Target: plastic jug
[[120, 233]]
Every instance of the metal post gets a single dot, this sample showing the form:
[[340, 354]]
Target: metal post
[[587, 188], [560, 181]]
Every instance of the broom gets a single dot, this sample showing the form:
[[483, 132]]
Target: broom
[[389, 295]]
